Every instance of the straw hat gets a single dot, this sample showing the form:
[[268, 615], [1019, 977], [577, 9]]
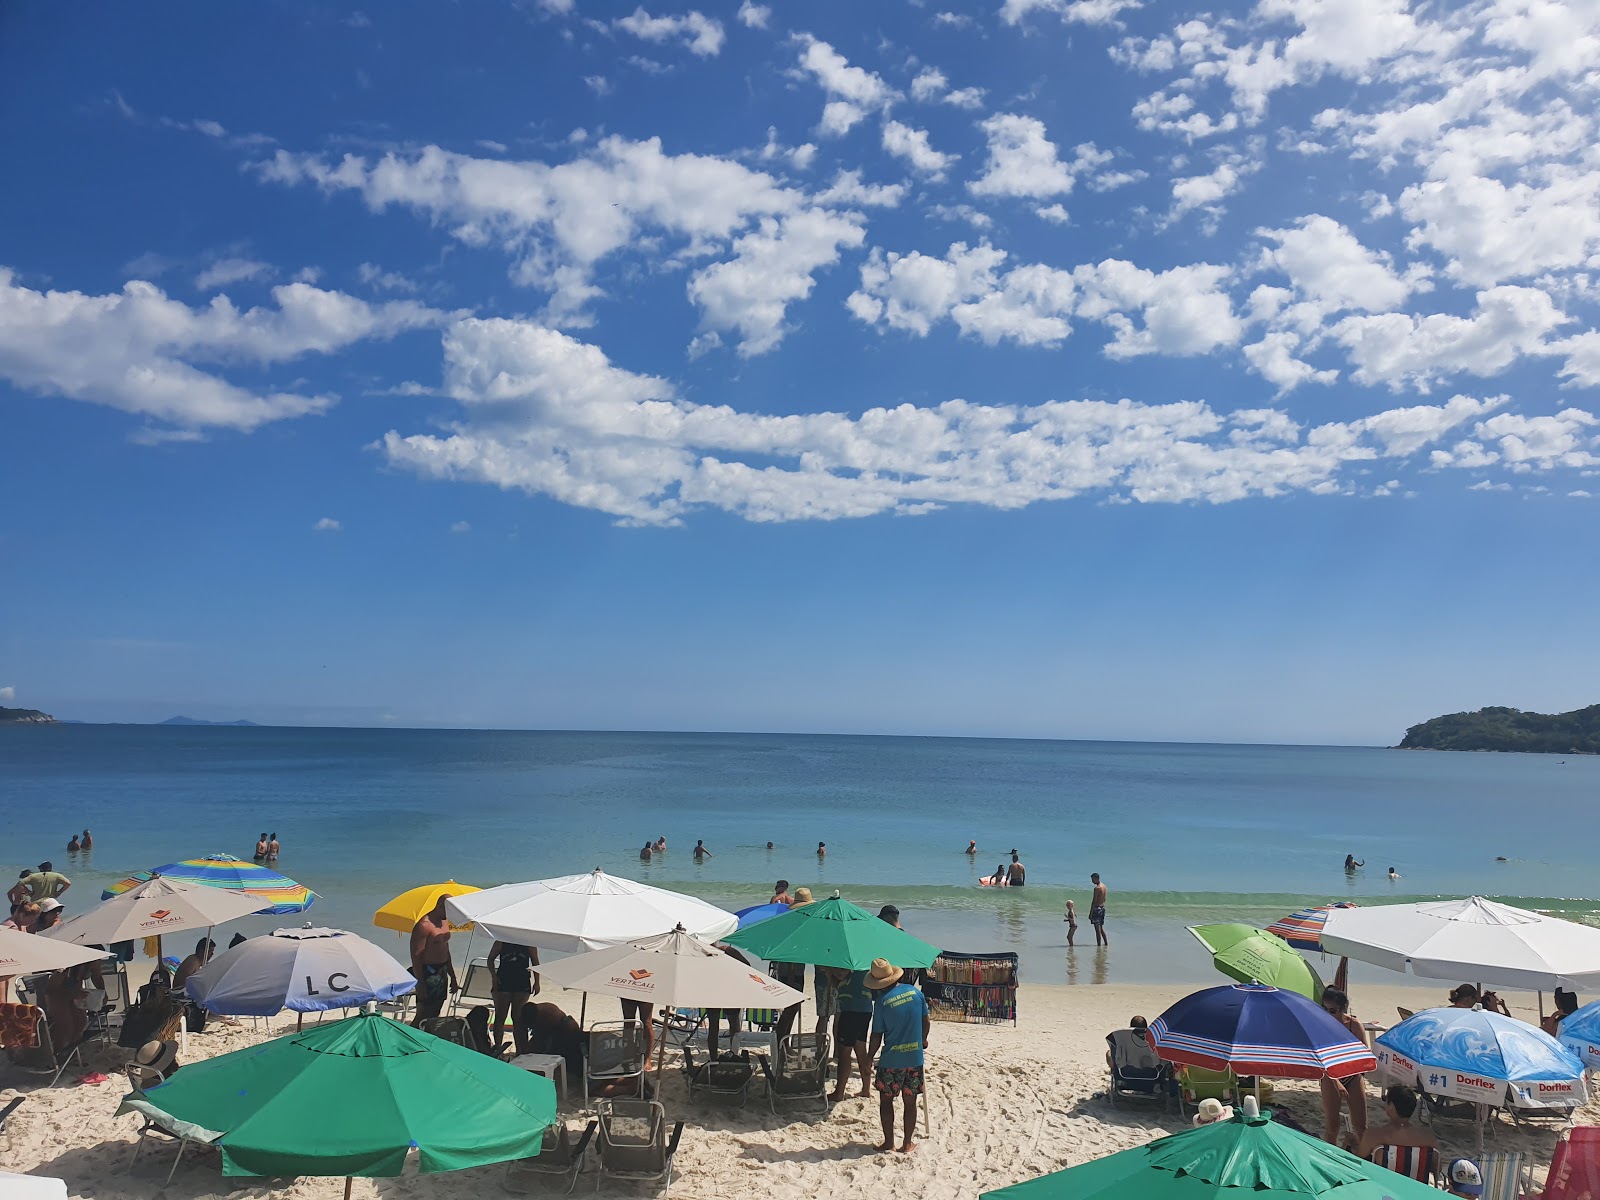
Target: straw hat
[[883, 975], [802, 896], [158, 1056], [1213, 1110]]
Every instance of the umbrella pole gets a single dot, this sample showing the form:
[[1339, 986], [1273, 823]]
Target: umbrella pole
[[349, 1182]]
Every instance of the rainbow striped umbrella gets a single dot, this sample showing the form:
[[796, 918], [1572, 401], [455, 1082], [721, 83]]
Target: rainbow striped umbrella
[[280, 894], [1303, 929]]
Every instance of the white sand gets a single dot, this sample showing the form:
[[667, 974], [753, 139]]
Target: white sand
[[1006, 1104]]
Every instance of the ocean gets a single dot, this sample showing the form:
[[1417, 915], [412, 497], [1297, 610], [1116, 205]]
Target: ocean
[[1181, 833]]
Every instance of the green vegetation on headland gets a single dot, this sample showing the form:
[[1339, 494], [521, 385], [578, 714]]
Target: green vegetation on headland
[[25, 716], [1576, 732]]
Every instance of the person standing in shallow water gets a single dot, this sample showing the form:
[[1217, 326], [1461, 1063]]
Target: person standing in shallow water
[[272, 848], [700, 851], [1097, 910], [261, 846], [822, 850]]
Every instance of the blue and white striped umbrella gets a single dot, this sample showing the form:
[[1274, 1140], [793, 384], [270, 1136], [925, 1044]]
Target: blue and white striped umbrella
[[1470, 1054], [1257, 1030], [303, 970]]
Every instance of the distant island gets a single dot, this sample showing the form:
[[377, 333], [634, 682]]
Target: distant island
[[1511, 729], [25, 716], [197, 721]]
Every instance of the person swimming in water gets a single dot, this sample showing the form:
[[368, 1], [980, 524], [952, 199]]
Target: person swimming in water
[[1351, 862], [701, 852], [822, 849], [644, 853], [261, 846], [1393, 874], [661, 844], [74, 845], [998, 879], [972, 848]]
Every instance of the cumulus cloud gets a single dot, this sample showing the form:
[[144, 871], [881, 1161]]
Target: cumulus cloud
[[754, 16], [853, 92], [910, 144], [548, 415], [230, 270], [138, 349], [559, 223], [327, 525], [1206, 192], [1024, 162], [7, 694], [1080, 12], [701, 34]]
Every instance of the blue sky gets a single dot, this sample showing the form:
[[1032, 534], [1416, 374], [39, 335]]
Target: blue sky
[[1062, 368]]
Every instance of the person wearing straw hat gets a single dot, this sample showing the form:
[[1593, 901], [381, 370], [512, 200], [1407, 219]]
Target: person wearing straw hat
[[160, 1057], [900, 1027]]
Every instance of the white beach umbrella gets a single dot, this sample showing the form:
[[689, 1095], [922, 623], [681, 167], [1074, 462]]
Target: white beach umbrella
[[675, 970], [156, 907], [303, 970], [27, 953], [31, 1187], [1473, 940], [573, 913]]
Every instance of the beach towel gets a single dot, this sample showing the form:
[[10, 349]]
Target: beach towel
[[19, 1026]]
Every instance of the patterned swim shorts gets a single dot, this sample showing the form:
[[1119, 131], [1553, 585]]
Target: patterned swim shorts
[[898, 1081]]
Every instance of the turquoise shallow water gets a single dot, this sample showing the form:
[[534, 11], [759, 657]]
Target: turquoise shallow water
[[1181, 833]]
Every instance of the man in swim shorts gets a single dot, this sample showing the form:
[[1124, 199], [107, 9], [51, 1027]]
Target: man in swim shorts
[[431, 964], [1017, 876], [900, 1030], [1097, 910], [850, 1032]]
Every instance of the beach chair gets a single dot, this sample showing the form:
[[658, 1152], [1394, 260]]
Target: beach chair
[[1136, 1071], [613, 1051], [477, 986], [450, 1029], [1414, 1162], [1575, 1166], [106, 1019], [729, 1078], [37, 1053], [1201, 1083], [680, 1026], [142, 1078], [1507, 1175], [634, 1143], [799, 1075], [559, 1157]]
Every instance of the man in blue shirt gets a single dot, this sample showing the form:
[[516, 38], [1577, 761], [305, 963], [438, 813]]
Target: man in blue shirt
[[850, 1030], [900, 1028]]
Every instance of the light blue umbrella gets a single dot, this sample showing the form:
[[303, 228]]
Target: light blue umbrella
[[759, 912], [1489, 1059], [303, 970], [1580, 1033]]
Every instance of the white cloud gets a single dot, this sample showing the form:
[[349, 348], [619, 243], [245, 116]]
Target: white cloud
[[1331, 268], [932, 85], [1054, 213], [551, 416], [1180, 311], [230, 270], [1022, 160], [700, 33], [7, 694], [375, 276], [461, 527], [754, 16], [903, 141], [1081, 12], [853, 92], [1273, 358], [137, 350], [327, 525], [598, 84], [1206, 192]]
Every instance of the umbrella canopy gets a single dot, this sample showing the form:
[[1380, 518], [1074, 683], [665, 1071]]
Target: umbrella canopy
[[351, 1098], [572, 913], [1580, 1033], [25, 953], [676, 970], [304, 970], [1302, 929], [403, 912], [832, 933], [1473, 939], [760, 912], [154, 908], [281, 895], [1257, 1031], [1251, 955], [31, 1187], [1471, 1054], [1247, 1156]]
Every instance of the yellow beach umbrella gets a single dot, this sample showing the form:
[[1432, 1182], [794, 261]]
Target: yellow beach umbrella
[[405, 910]]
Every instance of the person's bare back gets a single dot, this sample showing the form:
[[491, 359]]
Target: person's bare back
[[430, 941]]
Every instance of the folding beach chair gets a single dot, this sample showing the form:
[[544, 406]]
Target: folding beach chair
[[728, 1078], [800, 1073], [1575, 1167], [1201, 1083], [40, 1055], [634, 1143], [476, 986], [613, 1051], [680, 1026], [1414, 1162], [559, 1157], [142, 1078], [1136, 1071], [1507, 1175]]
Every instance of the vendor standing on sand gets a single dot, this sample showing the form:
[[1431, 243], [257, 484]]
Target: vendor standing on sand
[[431, 963], [900, 1030]]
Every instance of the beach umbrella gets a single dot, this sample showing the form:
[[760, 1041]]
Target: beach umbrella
[[27, 954], [1251, 955], [1302, 928], [403, 912], [572, 913], [1579, 1033], [1248, 1155], [1256, 1030], [31, 1187], [280, 894], [1472, 1054], [303, 970], [832, 933], [760, 912], [155, 908], [1471, 939], [352, 1098]]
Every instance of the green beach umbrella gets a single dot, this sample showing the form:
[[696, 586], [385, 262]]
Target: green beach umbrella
[[351, 1098], [1248, 1155], [832, 933], [1253, 955]]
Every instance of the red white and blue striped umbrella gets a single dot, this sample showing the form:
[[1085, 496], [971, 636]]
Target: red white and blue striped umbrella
[[1303, 929], [1255, 1030]]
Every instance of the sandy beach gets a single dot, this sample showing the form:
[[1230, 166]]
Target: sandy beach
[[1006, 1104]]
